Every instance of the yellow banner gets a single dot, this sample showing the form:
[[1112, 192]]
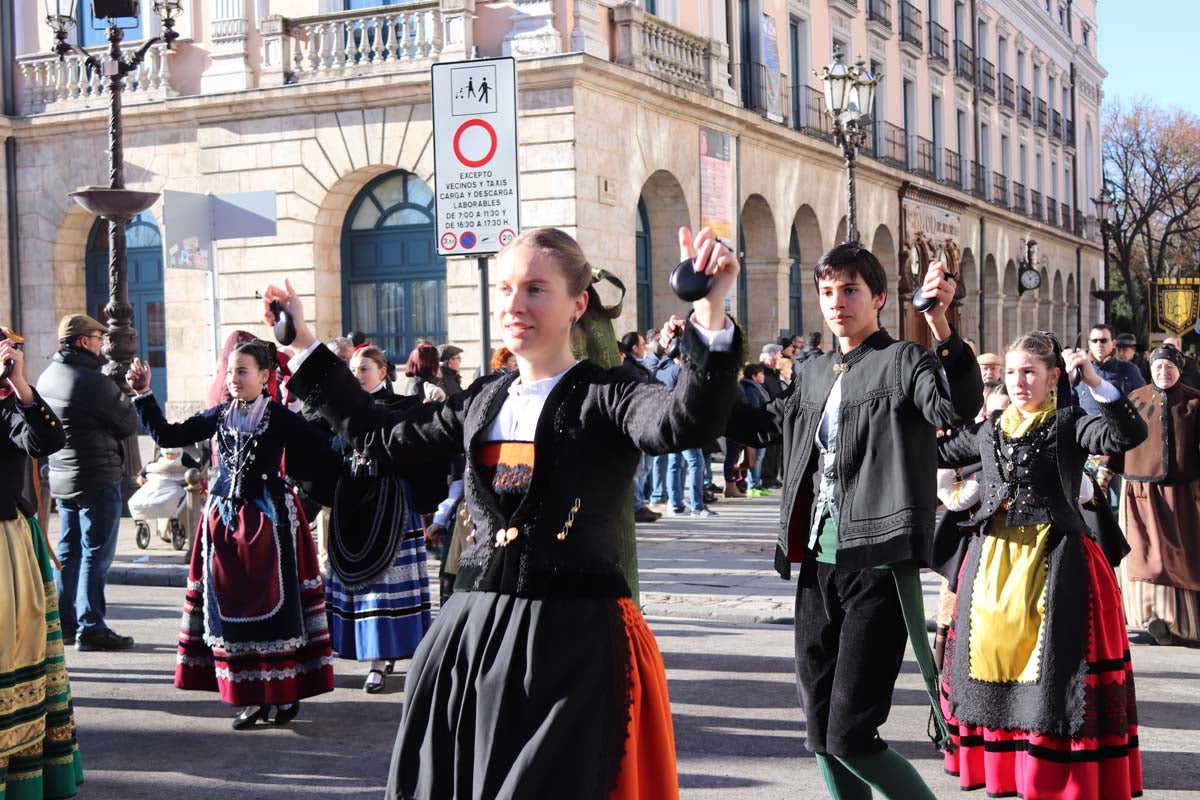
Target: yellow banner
[[1174, 305]]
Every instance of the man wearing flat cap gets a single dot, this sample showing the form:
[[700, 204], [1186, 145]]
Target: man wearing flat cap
[[85, 478], [449, 378], [991, 368]]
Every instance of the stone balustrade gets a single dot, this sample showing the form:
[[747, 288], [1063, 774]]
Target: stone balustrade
[[364, 42], [53, 84], [648, 44]]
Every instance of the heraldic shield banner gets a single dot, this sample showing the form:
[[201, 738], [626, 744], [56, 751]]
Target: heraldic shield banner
[[1174, 305]]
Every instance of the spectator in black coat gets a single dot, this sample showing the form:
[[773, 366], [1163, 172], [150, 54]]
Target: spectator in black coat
[[85, 478], [633, 352]]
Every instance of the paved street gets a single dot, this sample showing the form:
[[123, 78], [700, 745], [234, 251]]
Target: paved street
[[707, 586]]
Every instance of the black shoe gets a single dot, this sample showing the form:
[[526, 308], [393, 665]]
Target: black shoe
[[710, 498], [370, 686], [249, 716], [1159, 630], [644, 515], [68, 638], [107, 639], [285, 715]]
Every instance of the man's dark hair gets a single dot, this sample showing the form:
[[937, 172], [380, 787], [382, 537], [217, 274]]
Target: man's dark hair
[[750, 370], [1101, 326], [357, 338], [848, 261], [628, 342], [785, 342], [814, 340]]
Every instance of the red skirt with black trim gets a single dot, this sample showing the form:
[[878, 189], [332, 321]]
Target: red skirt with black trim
[[1103, 762]]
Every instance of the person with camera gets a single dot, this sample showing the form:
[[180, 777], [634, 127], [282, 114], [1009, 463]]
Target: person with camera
[[540, 677], [858, 433], [39, 756]]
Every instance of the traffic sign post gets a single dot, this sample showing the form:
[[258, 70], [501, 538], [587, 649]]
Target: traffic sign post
[[477, 197]]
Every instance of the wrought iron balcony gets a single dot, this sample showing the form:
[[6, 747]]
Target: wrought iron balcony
[[891, 145], [760, 88], [964, 61], [979, 180], [808, 113], [987, 77], [1008, 92], [1051, 211], [999, 190], [1080, 224], [911, 29], [1025, 104], [1056, 126], [1039, 116], [1069, 132], [952, 173], [939, 44], [1035, 204], [1064, 216], [880, 11], [922, 158], [1018, 198]]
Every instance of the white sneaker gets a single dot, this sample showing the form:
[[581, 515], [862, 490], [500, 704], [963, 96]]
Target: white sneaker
[[704, 512]]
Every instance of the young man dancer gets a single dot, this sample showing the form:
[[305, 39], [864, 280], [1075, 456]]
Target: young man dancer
[[858, 431]]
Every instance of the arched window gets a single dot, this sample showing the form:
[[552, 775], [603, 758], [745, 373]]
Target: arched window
[[393, 281], [144, 266], [645, 286], [795, 285]]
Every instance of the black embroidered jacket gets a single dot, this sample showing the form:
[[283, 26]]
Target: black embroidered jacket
[[26, 432], [587, 444]]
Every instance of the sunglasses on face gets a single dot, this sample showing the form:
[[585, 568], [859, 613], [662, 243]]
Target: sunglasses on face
[[1099, 341]]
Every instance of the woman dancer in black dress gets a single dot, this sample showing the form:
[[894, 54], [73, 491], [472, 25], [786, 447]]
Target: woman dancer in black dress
[[540, 677]]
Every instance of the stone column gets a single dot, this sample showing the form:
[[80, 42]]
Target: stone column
[[766, 301], [628, 19], [276, 69], [230, 68], [718, 71], [458, 30], [532, 32], [585, 36]]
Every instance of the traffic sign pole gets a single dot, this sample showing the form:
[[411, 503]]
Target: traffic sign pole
[[485, 318]]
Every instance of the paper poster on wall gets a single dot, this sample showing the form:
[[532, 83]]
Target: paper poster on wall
[[717, 208], [772, 84]]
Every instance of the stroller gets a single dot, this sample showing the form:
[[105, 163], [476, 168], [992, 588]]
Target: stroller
[[162, 496]]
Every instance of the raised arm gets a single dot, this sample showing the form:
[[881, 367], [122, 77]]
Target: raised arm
[[945, 384], [422, 433], [197, 428], [660, 420], [960, 447], [1118, 426]]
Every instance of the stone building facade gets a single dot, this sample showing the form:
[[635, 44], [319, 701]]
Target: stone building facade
[[988, 114]]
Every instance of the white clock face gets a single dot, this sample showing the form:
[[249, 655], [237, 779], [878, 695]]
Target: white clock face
[[1031, 279]]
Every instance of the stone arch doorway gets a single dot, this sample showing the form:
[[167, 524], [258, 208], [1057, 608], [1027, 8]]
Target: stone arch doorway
[[666, 210], [644, 290], [393, 281], [804, 249], [762, 283], [883, 247], [144, 267], [970, 325]]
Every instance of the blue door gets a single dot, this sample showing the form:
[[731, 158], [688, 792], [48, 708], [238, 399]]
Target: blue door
[[393, 281], [795, 288], [145, 267]]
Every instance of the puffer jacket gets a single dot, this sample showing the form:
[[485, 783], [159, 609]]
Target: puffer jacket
[[96, 415]]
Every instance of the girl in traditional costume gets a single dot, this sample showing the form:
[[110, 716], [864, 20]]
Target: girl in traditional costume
[[540, 677], [1037, 681], [39, 757], [1160, 507], [377, 590], [254, 626]]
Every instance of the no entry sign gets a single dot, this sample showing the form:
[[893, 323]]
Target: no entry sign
[[475, 155]]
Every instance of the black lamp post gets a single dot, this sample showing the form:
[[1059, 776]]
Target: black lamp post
[[1104, 210], [849, 99], [114, 203]]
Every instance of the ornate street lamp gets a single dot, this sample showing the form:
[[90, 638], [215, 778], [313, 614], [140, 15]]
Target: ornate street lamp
[[1104, 211], [114, 202], [849, 99]]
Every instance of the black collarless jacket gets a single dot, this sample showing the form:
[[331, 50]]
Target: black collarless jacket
[[894, 397], [593, 427], [26, 432], [1047, 489]]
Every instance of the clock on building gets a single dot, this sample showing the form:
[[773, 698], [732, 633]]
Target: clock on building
[[1030, 279]]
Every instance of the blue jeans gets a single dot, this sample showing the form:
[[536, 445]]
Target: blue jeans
[[658, 479], [639, 482], [86, 545], [690, 462], [754, 475]]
